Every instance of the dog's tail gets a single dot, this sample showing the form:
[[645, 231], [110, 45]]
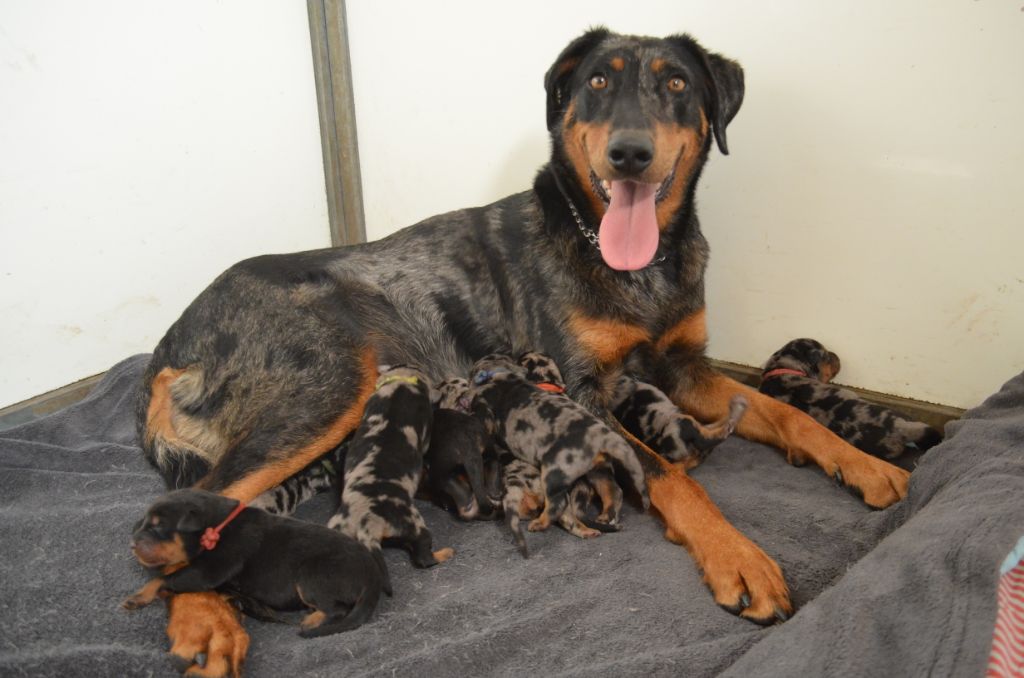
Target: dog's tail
[[360, 613], [626, 455]]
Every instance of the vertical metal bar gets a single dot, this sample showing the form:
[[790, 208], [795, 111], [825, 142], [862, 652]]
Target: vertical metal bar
[[336, 104]]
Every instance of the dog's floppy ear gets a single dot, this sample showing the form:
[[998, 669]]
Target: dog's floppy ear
[[556, 80], [725, 87], [190, 521]]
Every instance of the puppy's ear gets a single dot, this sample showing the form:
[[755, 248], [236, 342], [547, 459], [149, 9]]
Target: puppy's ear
[[558, 77], [190, 521], [724, 90]]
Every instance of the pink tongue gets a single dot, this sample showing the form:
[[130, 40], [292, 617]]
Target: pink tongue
[[629, 231]]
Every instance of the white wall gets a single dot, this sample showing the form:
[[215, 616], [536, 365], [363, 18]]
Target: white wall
[[144, 147], [873, 198]]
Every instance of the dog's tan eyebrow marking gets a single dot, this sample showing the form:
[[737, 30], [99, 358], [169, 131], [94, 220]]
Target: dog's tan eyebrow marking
[[657, 65], [617, 63]]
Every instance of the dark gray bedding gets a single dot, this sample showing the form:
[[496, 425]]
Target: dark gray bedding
[[907, 591]]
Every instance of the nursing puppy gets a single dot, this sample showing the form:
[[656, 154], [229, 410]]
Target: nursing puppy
[[523, 499], [547, 429], [383, 466], [799, 374], [455, 457], [282, 563], [651, 416]]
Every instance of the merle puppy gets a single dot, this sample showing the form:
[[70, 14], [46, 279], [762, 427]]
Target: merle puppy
[[383, 467], [455, 457], [279, 562], [547, 429], [799, 374], [322, 475], [650, 415], [523, 499]]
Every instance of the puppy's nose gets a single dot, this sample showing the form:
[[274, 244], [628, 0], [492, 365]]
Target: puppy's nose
[[630, 151]]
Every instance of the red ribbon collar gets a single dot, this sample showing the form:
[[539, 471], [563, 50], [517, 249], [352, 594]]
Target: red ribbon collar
[[779, 371], [211, 536], [550, 388]]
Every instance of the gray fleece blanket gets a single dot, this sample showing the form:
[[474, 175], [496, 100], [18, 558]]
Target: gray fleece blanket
[[907, 591]]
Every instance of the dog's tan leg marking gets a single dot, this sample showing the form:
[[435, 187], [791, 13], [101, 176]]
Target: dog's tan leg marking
[[733, 566], [206, 622], [802, 438]]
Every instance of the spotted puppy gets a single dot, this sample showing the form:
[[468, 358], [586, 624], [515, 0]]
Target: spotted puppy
[[383, 467], [523, 499], [321, 476], [597, 489], [650, 415], [799, 374], [204, 541], [455, 457], [549, 430]]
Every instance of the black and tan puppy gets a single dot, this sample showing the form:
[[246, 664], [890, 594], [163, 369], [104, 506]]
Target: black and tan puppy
[[547, 429], [279, 562], [383, 466], [455, 457], [650, 415], [799, 374]]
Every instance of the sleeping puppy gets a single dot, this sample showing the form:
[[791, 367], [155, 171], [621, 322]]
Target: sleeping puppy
[[203, 544], [455, 457], [799, 374], [651, 416], [383, 467], [545, 428]]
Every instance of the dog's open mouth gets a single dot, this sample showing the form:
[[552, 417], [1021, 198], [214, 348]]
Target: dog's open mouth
[[629, 231]]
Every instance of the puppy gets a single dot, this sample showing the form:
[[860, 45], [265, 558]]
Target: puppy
[[523, 499], [455, 457], [383, 467], [651, 416], [320, 476], [202, 542], [799, 374], [545, 428]]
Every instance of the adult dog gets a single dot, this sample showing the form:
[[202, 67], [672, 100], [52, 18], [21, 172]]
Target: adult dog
[[600, 266]]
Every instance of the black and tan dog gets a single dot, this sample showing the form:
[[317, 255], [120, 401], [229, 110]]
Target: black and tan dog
[[603, 259], [547, 429], [455, 457], [649, 414], [212, 542], [799, 374], [383, 466]]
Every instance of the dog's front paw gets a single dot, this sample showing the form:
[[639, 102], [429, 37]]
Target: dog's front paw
[[877, 482], [206, 636], [135, 601], [746, 582]]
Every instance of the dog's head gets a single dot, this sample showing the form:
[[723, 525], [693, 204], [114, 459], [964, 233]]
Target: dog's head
[[541, 369], [631, 120], [808, 356], [453, 394], [170, 531]]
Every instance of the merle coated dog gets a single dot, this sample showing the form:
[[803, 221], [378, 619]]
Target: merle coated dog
[[383, 466], [547, 429], [282, 563], [599, 265], [799, 374], [649, 414]]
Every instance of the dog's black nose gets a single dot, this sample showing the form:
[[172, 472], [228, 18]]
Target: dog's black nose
[[630, 151]]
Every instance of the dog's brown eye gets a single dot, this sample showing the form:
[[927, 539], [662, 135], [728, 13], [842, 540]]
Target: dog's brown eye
[[676, 84], [598, 82]]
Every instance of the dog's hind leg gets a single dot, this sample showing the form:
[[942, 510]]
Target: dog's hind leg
[[420, 542]]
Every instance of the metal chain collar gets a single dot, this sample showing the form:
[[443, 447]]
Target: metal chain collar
[[589, 234]]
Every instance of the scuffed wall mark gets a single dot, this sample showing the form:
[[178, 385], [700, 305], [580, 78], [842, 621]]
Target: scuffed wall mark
[[962, 308]]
